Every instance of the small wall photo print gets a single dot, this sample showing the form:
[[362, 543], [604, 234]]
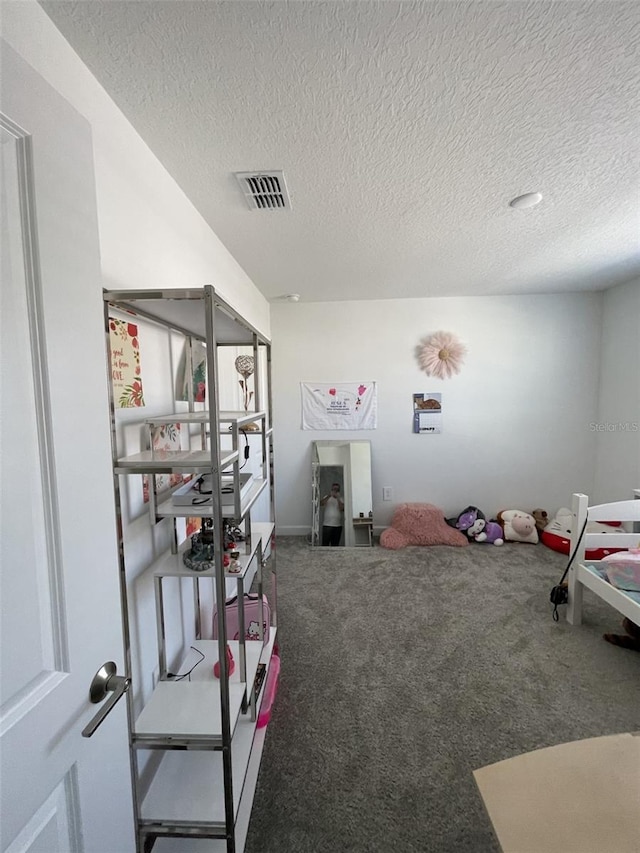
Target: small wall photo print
[[427, 413]]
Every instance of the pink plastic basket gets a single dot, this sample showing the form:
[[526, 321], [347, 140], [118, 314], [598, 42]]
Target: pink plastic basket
[[270, 690]]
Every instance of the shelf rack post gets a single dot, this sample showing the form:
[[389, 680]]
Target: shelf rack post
[[122, 576], [220, 590]]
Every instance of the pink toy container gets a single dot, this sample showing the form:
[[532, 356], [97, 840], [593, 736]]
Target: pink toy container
[[270, 690]]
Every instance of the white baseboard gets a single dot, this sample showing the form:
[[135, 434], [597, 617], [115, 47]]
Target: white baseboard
[[301, 530], [294, 530]]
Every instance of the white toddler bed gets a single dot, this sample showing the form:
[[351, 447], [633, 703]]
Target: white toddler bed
[[591, 573]]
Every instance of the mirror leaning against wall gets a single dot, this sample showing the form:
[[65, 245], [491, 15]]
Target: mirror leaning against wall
[[341, 490]]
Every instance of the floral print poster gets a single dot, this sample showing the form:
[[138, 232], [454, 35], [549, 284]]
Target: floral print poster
[[125, 364], [199, 377]]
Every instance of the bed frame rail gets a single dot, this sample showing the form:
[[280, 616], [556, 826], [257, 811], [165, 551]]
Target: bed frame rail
[[579, 575]]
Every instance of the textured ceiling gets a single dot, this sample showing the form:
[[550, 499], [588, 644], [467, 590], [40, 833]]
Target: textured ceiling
[[403, 129]]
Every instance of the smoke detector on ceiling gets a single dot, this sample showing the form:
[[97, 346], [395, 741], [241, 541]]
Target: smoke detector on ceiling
[[264, 190]]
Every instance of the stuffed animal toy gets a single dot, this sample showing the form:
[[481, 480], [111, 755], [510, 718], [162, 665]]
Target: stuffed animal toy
[[466, 519], [419, 524], [562, 522], [476, 529], [541, 517], [518, 526], [487, 531]]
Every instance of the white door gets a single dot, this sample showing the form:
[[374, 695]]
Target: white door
[[60, 605]]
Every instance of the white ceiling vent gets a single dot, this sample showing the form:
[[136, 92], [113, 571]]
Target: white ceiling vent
[[264, 190]]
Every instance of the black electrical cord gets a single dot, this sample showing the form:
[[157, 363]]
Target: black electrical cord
[[199, 483], [559, 594], [246, 451], [180, 676], [226, 490]]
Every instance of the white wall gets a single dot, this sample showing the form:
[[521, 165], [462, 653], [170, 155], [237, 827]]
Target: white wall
[[150, 233], [618, 422], [361, 486], [516, 420], [151, 236]]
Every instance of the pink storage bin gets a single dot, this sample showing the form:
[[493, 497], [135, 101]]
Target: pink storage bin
[[270, 690]]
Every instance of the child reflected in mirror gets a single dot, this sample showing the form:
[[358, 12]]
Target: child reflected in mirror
[[332, 521]]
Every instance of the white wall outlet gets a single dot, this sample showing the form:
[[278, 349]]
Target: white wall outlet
[[155, 677], [387, 493]]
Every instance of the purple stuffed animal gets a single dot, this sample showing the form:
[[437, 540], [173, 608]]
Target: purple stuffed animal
[[488, 531], [467, 520]]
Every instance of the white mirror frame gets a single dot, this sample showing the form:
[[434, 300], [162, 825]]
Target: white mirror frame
[[354, 460]]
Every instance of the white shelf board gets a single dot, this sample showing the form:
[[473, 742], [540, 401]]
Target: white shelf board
[[240, 416], [180, 418], [187, 709], [165, 461], [262, 530], [188, 784], [191, 709], [243, 816], [172, 565], [186, 309], [204, 416], [188, 787], [232, 588], [167, 508]]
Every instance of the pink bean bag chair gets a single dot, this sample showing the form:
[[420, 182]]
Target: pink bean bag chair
[[420, 524]]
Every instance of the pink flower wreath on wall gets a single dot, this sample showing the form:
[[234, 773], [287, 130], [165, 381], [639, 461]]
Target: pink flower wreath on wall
[[441, 355]]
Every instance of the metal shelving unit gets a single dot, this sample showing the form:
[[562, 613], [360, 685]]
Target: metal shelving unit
[[205, 728]]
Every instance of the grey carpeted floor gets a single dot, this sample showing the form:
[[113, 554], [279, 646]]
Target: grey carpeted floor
[[402, 672]]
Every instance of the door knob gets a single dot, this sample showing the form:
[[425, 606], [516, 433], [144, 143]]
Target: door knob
[[105, 681]]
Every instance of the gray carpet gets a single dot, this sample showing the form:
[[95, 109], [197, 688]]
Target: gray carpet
[[402, 672]]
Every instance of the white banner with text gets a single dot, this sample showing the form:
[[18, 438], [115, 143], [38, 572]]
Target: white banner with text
[[339, 405]]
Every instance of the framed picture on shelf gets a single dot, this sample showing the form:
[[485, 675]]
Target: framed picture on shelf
[[124, 352], [164, 437], [192, 526]]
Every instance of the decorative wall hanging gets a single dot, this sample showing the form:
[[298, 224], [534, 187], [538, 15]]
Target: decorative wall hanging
[[427, 413], [245, 366], [341, 405], [125, 364], [441, 355]]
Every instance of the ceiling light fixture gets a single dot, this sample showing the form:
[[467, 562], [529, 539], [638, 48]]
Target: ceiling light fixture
[[526, 200], [292, 297]]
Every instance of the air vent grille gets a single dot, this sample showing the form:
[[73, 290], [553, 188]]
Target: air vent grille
[[264, 190]]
